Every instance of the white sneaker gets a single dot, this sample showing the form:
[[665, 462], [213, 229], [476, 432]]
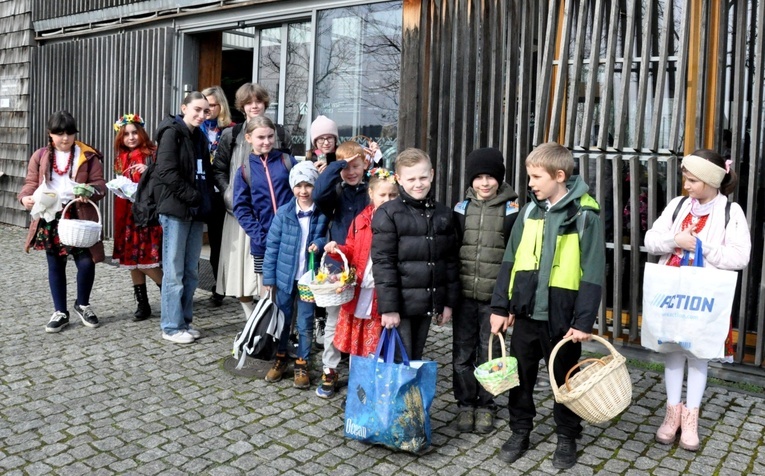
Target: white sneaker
[[180, 337], [194, 333]]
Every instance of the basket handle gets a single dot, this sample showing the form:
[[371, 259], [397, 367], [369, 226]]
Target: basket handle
[[98, 212], [550, 365], [342, 255], [579, 364], [501, 344]]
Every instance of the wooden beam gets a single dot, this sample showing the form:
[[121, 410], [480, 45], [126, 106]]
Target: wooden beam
[[210, 59], [691, 89]]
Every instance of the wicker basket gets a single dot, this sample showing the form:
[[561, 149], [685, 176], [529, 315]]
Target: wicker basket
[[79, 233], [600, 391], [332, 294], [498, 375]]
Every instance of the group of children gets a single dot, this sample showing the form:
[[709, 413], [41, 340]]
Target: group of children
[[487, 265]]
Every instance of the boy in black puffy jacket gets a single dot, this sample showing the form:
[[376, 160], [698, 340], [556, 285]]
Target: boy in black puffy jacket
[[414, 255]]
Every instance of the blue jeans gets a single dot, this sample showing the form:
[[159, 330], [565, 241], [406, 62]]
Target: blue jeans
[[181, 247], [286, 302]]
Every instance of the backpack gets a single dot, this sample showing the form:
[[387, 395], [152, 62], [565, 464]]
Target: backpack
[[682, 200], [145, 204], [286, 160], [581, 220], [511, 213], [260, 336]]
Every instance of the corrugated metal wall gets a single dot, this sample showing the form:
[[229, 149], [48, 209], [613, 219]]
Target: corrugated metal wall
[[98, 80], [15, 51], [45, 9]]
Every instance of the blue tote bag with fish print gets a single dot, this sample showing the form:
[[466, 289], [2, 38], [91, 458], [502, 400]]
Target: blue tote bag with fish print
[[389, 403]]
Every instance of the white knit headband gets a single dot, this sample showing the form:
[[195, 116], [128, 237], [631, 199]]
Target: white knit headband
[[705, 170]]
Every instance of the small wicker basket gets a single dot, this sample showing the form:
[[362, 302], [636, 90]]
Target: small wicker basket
[[333, 294], [79, 233], [303, 285], [600, 391], [498, 375]]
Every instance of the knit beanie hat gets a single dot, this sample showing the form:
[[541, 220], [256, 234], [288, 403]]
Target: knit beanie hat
[[323, 125], [304, 171], [485, 161]]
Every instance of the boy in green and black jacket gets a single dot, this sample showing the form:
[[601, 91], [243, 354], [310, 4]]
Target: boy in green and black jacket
[[549, 288]]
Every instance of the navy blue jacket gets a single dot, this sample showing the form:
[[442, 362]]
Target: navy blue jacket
[[339, 201], [283, 246], [253, 206]]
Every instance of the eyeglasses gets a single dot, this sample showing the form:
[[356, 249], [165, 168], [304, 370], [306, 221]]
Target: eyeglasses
[[325, 140]]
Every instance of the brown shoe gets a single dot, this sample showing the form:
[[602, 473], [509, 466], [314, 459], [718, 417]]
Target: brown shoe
[[280, 365], [302, 380]]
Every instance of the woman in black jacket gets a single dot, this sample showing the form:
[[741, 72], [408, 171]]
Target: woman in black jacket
[[184, 192]]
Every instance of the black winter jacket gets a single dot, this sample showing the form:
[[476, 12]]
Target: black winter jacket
[[414, 257], [178, 149]]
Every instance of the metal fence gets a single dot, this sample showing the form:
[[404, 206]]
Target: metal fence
[[98, 80]]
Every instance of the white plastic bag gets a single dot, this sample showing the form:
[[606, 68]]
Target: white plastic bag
[[47, 202], [688, 308]]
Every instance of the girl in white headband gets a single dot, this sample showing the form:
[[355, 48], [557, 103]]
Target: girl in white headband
[[704, 214]]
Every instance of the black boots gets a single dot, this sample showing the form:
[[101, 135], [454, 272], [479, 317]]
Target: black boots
[[142, 298]]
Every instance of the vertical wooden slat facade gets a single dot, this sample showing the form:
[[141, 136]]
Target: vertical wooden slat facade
[[629, 86]]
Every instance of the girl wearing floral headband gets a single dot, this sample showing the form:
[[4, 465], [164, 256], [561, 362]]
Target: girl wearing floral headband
[[358, 323], [137, 249], [705, 214]]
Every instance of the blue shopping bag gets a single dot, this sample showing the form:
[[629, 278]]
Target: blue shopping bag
[[389, 403]]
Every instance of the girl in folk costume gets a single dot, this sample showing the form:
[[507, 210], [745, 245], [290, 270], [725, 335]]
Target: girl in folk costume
[[721, 226], [358, 323], [71, 170], [138, 249]]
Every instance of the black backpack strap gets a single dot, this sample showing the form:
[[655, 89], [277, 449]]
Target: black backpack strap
[[679, 205]]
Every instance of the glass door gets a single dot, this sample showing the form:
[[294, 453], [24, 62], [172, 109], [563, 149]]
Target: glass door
[[282, 68]]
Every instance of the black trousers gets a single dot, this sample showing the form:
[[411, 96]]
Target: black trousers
[[215, 231], [530, 343], [470, 348], [413, 331]]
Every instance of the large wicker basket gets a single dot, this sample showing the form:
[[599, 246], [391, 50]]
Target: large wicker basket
[[332, 294], [79, 233], [598, 392], [500, 374]]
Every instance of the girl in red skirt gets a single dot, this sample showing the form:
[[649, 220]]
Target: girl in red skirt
[[358, 324], [135, 248]]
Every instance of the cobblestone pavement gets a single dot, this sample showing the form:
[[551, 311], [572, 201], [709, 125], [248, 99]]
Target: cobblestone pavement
[[120, 400]]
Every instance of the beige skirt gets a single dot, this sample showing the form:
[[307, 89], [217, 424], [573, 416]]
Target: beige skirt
[[236, 275]]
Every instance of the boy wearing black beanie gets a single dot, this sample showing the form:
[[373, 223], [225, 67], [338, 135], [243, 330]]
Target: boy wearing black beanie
[[484, 221]]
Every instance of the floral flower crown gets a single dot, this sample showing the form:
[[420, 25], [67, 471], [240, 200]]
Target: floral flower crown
[[128, 119], [382, 174]]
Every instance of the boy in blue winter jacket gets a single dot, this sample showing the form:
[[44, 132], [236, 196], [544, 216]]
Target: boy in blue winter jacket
[[341, 193], [298, 229], [548, 288]]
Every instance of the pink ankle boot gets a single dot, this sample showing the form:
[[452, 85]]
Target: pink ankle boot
[[667, 432], [689, 436]]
